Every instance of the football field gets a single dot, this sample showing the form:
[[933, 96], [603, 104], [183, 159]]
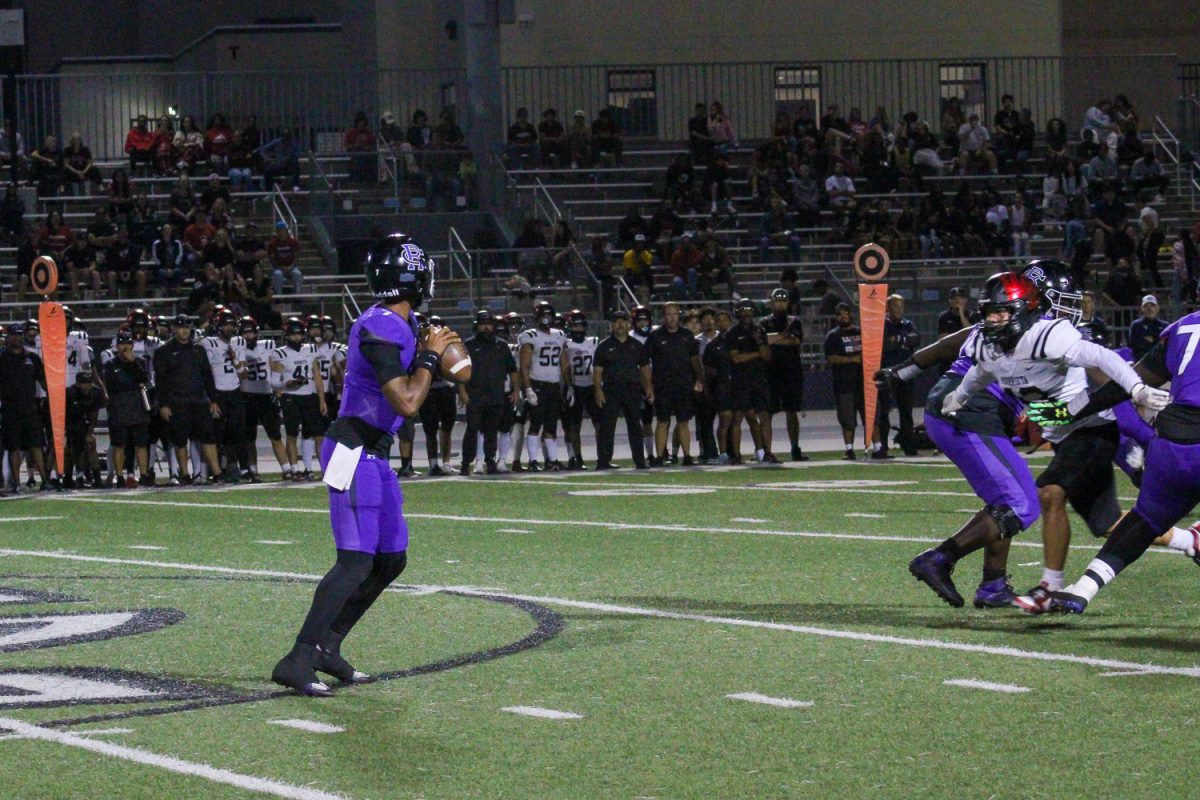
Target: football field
[[716, 633]]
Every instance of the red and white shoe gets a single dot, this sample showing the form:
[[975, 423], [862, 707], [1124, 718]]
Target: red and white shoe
[[1035, 601], [1194, 530]]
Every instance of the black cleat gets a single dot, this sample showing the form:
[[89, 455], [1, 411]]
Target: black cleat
[[533, 467], [296, 672], [933, 569], [850, 456], [333, 664], [798, 455]]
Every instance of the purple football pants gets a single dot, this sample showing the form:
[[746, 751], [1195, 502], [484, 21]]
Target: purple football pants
[[367, 517], [1170, 484]]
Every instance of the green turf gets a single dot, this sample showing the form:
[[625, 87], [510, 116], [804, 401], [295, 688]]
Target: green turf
[[651, 691]]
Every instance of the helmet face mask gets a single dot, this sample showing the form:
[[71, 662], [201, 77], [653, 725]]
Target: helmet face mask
[[1053, 279], [1016, 294], [544, 316], [577, 325]]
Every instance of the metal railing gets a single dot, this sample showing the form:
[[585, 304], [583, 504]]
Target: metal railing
[[349, 301], [1165, 139], [281, 211], [459, 256], [544, 205]]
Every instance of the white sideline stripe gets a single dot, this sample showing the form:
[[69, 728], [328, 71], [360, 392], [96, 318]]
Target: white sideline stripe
[[543, 713], [779, 702], [27, 519], [104, 732], [865, 515], [629, 526], [307, 725], [512, 530], [272, 541], [747, 519], [170, 764], [970, 683], [833, 633], [145, 547], [1123, 673]]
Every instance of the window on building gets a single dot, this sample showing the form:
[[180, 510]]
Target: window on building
[[797, 87], [967, 82], [631, 97]]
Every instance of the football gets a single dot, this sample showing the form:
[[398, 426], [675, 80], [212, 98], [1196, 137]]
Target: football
[[456, 364]]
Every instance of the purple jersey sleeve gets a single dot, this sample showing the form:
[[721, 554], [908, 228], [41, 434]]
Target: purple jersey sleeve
[[1182, 338], [362, 396]]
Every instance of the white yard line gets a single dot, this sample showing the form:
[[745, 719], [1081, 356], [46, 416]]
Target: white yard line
[[307, 725], [249, 783], [272, 541], [637, 611], [27, 519], [970, 683], [747, 519], [512, 530], [144, 547], [542, 713], [104, 732], [778, 702], [865, 515]]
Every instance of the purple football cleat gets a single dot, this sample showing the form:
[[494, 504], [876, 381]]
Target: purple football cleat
[[933, 569], [995, 594]]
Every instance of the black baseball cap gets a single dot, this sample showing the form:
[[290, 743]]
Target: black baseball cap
[[84, 377], [182, 321], [620, 314], [780, 294], [958, 291]]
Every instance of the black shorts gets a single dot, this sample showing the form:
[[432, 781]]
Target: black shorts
[[332, 404], [674, 400], [230, 427], [21, 430], [508, 416], [544, 416], [750, 394], [302, 415], [720, 395], [190, 421], [584, 401], [129, 435], [647, 413], [261, 409], [787, 391], [850, 407], [1083, 467], [440, 409], [405, 434]]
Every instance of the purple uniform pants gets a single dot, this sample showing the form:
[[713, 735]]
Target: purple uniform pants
[[367, 517], [1171, 484], [991, 465]]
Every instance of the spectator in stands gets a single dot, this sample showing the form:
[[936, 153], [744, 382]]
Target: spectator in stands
[[46, 167], [1147, 173], [120, 196], [699, 142], [952, 121], [419, 134], [218, 142], [1054, 202], [606, 137], [80, 263], [778, 228], [1004, 129], [715, 267], [1109, 214], [600, 262], [925, 150], [165, 155], [359, 141], [630, 226], [189, 145], [283, 251], [997, 231], [716, 184], [102, 233], [760, 180], [559, 241], [665, 228], [522, 140], [1019, 221], [30, 248], [553, 137], [1092, 319], [975, 146], [219, 252], [235, 294], [1123, 287], [1056, 139], [1097, 119], [249, 250], [143, 222], [78, 168], [685, 263], [1145, 331], [530, 245], [1184, 267], [212, 192], [182, 203], [839, 187], [806, 198], [260, 297], [251, 136], [12, 215], [1026, 133], [638, 263], [579, 140], [56, 235], [140, 144], [1129, 149], [680, 186], [1123, 111], [242, 164], [219, 217], [391, 145], [195, 238], [206, 292], [123, 265], [447, 135], [281, 158], [720, 129], [167, 254], [1150, 239], [1074, 182]]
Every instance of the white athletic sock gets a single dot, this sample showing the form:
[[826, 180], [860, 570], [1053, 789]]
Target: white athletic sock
[[1184, 540], [502, 448], [479, 448], [759, 455], [286, 469], [571, 451], [306, 453], [1098, 574], [551, 450], [849, 447], [1053, 578], [648, 446], [172, 462], [533, 447], [199, 467]]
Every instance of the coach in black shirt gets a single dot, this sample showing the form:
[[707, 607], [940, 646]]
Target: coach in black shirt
[[671, 363], [785, 371], [749, 352], [1145, 330], [953, 319], [900, 339], [619, 386], [186, 396], [843, 351], [21, 373], [492, 365]]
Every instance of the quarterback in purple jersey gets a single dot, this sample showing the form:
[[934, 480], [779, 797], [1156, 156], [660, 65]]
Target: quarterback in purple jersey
[[388, 372], [1171, 484]]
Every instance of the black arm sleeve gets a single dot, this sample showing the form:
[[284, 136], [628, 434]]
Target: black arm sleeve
[[384, 358], [945, 349], [1109, 395], [210, 385], [1155, 362]]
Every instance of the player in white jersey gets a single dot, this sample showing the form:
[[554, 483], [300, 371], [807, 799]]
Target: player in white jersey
[[226, 352], [540, 365], [512, 421], [578, 355], [296, 373], [331, 355], [1034, 358], [260, 400]]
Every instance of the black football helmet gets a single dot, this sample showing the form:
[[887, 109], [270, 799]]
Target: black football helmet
[[503, 331], [1092, 333], [577, 323], [248, 324], [398, 270], [69, 316], [482, 316], [293, 326], [1012, 292], [139, 322], [223, 317], [327, 323], [516, 323], [434, 321], [641, 319], [312, 321], [543, 315], [1061, 296]]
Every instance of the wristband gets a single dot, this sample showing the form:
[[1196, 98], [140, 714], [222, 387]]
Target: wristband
[[427, 359], [908, 370]]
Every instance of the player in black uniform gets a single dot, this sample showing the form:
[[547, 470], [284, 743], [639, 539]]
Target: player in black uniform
[[900, 340], [785, 371], [718, 381], [671, 362], [749, 353], [619, 388], [493, 374]]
